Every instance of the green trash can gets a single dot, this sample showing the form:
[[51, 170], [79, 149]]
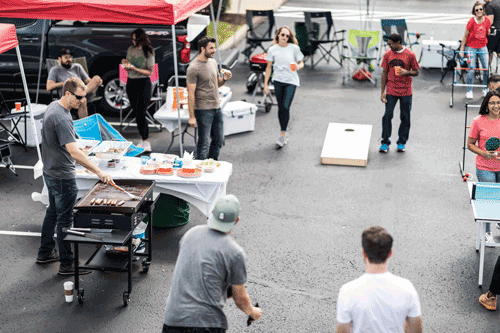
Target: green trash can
[[170, 212], [303, 38]]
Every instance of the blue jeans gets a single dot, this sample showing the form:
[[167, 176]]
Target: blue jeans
[[482, 53], [284, 96], [488, 177], [62, 199], [210, 127], [404, 127]]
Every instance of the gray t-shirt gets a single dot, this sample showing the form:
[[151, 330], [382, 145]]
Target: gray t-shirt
[[136, 57], [205, 75], [61, 74], [281, 58], [493, 8], [57, 131], [208, 262]]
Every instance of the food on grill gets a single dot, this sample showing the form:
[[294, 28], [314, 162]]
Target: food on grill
[[114, 202], [115, 150], [148, 170], [92, 201], [105, 202], [99, 201], [165, 170], [120, 203]]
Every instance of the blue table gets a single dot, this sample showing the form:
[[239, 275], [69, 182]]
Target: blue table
[[485, 201]]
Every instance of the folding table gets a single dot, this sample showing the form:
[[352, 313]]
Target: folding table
[[485, 201]]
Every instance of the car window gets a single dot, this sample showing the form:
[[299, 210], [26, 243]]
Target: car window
[[19, 23]]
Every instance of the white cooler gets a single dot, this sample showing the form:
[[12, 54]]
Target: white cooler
[[38, 112], [430, 57], [239, 117]]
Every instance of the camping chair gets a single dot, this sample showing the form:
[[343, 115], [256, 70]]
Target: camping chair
[[92, 99], [156, 93], [13, 134], [361, 50], [255, 40], [391, 26], [328, 37]]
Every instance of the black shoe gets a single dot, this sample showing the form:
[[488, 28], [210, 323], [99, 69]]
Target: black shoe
[[53, 256], [70, 270]]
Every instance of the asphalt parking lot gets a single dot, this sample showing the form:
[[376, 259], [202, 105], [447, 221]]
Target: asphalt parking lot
[[301, 221]]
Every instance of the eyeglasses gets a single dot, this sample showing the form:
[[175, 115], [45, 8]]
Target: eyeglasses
[[78, 97], [493, 103], [478, 9], [284, 35]]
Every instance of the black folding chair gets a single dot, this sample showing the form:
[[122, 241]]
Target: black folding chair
[[254, 39], [13, 134], [328, 37]]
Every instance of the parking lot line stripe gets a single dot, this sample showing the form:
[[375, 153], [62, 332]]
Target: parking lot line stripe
[[20, 233]]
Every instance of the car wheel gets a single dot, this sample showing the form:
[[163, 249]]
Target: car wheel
[[114, 94]]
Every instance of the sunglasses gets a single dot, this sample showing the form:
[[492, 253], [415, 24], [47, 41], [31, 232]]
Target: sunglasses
[[78, 97], [478, 10], [284, 35]]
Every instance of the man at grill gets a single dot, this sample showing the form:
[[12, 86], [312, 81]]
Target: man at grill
[[59, 153], [209, 263]]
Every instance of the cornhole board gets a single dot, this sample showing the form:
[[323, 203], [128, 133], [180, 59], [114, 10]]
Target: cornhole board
[[346, 144]]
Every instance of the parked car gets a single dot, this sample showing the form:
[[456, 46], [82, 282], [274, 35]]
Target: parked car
[[103, 45]]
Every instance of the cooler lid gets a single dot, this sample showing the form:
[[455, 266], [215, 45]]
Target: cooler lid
[[238, 108]]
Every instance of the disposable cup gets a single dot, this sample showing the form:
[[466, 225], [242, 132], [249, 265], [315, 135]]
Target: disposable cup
[[293, 66], [18, 106], [68, 291], [397, 70]]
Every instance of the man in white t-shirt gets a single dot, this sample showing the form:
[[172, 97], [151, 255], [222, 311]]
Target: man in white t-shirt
[[378, 301]]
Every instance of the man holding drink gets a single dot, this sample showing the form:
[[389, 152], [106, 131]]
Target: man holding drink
[[399, 65]]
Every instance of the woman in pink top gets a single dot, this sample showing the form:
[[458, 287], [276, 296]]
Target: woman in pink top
[[483, 127], [474, 41]]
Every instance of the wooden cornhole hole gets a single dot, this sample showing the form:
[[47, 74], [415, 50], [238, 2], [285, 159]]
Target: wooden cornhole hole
[[346, 144]]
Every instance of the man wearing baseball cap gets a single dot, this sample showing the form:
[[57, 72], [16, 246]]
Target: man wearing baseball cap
[[209, 263], [66, 69]]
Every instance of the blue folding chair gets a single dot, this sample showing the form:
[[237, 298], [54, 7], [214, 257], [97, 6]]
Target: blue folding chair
[[391, 26]]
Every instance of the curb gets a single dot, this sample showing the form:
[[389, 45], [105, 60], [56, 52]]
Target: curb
[[240, 34]]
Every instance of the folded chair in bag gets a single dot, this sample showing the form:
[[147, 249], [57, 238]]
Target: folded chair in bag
[[361, 49], [254, 38], [155, 102], [324, 42]]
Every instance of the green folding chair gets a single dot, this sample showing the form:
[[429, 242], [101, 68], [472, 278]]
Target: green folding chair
[[362, 47]]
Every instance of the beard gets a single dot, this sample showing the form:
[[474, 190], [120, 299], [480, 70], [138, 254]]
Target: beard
[[66, 65], [209, 55]]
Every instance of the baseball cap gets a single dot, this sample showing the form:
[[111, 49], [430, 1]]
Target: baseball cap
[[225, 213], [65, 51]]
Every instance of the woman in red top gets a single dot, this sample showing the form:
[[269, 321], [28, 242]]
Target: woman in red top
[[475, 40], [483, 127]]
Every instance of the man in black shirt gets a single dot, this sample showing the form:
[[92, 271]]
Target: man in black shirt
[[493, 13]]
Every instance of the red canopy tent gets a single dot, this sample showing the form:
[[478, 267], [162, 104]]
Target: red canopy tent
[[8, 41], [167, 12]]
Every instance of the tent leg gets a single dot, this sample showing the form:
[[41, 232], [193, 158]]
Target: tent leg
[[26, 92], [215, 23], [176, 71], [44, 31]]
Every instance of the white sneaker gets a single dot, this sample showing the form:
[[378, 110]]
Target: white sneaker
[[485, 91], [489, 239], [469, 95], [146, 145]]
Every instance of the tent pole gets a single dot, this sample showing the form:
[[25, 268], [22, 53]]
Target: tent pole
[[215, 32], [26, 92], [44, 30], [174, 45]]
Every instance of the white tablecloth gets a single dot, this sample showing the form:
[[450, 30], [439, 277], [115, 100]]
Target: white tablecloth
[[202, 192], [168, 118]]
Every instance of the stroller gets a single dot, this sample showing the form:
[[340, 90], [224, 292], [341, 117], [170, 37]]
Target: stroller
[[255, 80]]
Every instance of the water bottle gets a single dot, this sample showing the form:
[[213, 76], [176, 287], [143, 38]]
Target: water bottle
[[432, 35], [140, 233]]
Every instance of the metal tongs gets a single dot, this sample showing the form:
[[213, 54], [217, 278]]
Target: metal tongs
[[133, 197]]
